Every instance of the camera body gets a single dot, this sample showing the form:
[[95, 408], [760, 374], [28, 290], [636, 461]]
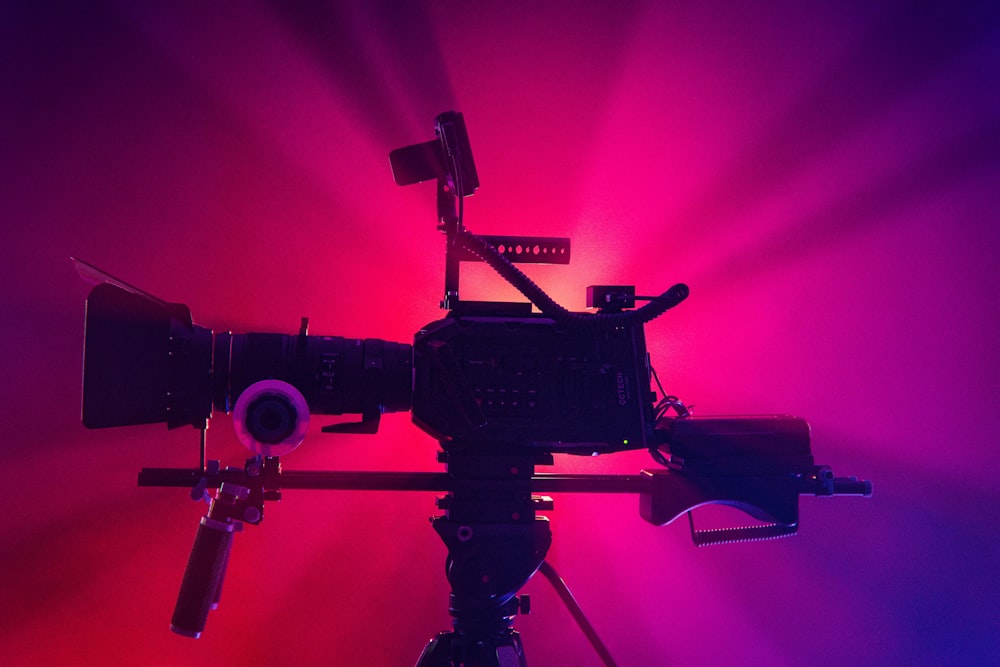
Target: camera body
[[508, 382]]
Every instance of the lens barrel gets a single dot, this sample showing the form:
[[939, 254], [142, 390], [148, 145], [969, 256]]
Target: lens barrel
[[336, 375]]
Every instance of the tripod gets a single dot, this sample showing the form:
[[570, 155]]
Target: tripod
[[495, 544]]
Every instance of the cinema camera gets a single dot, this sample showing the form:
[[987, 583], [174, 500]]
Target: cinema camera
[[501, 387]]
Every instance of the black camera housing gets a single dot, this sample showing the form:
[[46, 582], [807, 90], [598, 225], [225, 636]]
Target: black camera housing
[[505, 382]]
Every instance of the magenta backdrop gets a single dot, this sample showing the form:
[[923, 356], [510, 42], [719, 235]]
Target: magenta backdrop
[[824, 177]]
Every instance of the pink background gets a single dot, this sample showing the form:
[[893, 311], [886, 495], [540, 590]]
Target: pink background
[[825, 178]]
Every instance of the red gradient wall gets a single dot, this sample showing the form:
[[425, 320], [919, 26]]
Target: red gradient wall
[[825, 178]]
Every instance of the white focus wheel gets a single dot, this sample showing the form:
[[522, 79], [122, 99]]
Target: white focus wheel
[[271, 418]]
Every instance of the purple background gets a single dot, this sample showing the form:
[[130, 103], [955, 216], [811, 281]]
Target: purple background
[[823, 175]]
